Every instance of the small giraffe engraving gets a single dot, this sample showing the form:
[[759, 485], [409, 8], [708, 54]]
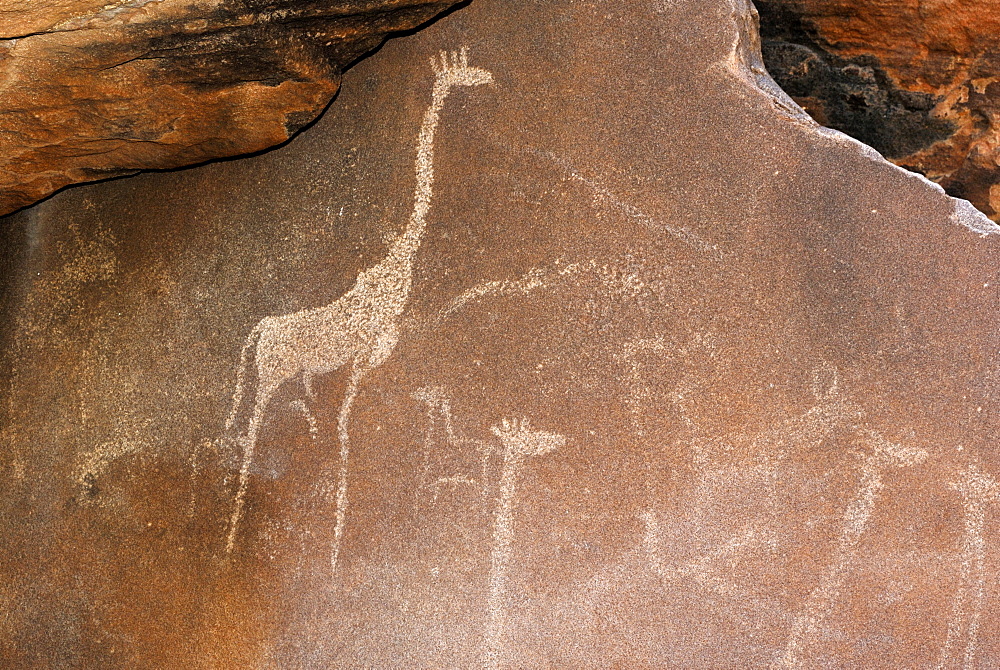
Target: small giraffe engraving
[[518, 442], [441, 424], [361, 328]]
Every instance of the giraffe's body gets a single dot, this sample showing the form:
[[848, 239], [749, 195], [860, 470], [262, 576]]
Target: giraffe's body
[[361, 328]]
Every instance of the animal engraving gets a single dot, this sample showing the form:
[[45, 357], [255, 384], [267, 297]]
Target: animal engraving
[[518, 442], [746, 468], [704, 569], [882, 455], [978, 490], [360, 329], [531, 281], [604, 201], [445, 448]]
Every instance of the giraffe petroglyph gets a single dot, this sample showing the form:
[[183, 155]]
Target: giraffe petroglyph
[[882, 455], [359, 329], [518, 441], [978, 490]]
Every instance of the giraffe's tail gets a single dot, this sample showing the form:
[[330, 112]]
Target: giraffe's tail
[[240, 391]]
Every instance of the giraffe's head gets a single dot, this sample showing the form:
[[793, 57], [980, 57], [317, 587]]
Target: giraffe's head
[[452, 69]]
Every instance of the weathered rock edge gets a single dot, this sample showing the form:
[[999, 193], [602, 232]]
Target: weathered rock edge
[[93, 90], [747, 64], [920, 82]]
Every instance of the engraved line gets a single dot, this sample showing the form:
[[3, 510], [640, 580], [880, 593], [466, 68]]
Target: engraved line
[[518, 442], [821, 600], [977, 489]]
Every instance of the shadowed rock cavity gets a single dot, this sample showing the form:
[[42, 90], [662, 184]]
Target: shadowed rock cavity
[[582, 347], [920, 82], [92, 89]]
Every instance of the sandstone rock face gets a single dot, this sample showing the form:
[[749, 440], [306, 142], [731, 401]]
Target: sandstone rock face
[[94, 89], [919, 81], [580, 348]]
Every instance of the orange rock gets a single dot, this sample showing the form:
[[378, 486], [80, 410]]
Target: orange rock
[[101, 89]]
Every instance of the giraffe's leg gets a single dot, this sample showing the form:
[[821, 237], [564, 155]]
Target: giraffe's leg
[[307, 383], [238, 392], [307, 405], [357, 373], [249, 445]]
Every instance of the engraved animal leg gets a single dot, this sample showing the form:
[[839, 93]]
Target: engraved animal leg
[[977, 549], [357, 373], [240, 389], [822, 599], [307, 379], [307, 384], [249, 445], [433, 407]]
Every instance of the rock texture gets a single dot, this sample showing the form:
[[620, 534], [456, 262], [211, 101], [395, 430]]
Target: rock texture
[[919, 81], [581, 348], [94, 89]]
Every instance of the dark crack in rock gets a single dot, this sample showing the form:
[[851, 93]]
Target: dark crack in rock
[[856, 96]]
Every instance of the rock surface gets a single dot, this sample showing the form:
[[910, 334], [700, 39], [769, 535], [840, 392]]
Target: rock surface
[[919, 81], [637, 368], [94, 89]]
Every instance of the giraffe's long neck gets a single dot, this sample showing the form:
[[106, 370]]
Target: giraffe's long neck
[[406, 245]]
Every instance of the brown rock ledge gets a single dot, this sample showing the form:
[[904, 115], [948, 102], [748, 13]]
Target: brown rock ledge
[[96, 89]]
